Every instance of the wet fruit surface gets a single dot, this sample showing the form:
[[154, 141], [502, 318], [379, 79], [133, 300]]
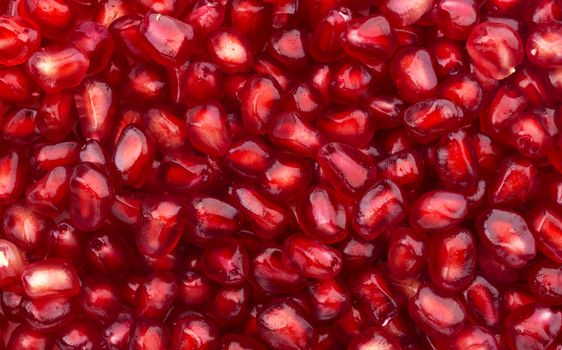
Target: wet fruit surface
[[281, 174]]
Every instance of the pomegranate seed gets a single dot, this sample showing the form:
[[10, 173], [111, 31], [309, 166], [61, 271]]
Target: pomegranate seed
[[346, 168], [53, 278], [155, 296], [133, 155], [374, 336], [474, 336], [495, 48], [484, 302], [322, 216], [369, 39], [497, 226], [161, 224], [168, 40], [99, 299], [56, 68], [544, 280], [413, 74], [95, 41], [270, 274], [311, 258], [90, 198], [283, 325], [376, 301], [22, 38], [193, 330], [538, 326], [230, 51], [149, 334], [13, 266], [445, 271], [514, 183], [405, 13], [436, 313], [428, 120], [406, 253], [23, 337], [438, 210], [206, 16], [381, 207], [354, 127], [17, 85]]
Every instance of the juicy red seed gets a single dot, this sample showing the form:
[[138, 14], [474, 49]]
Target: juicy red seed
[[437, 313], [283, 325], [380, 208], [495, 48], [496, 227], [452, 259], [56, 68], [413, 74], [536, 322], [169, 41], [429, 119], [438, 210], [53, 278], [311, 258], [369, 39], [22, 39], [375, 298]]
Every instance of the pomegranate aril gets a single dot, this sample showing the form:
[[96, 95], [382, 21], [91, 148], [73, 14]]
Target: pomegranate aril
[[95, 41], [260, 99], [19, 127], [230, 51], [161, 225], [483, 300], [95, 102], [53, 278], [413, 74], [133, 155], [49, 194], [346, 168], [546, 225], [283, 325], [168, 40], [427, 120], [455, 160], [11, 269], [13, 174], [405, 168], [325, 44], [24, 338], [56, 116], [91, 195], [231, 341], [56, 68], [406, 253], [436, 313], [193, 329], [311, 258], [544, 281], [16, 85], [369, 39], [380, 208], [322, 216], [22, 38], [149, 334], [289, 131], [99, 299], [474, 337], [25, 228], [354, 127], [532, 326], [386, 111], [374, 296], [351, 83], [145, 85], [225, 262], [438, 210], [374, 336], [514, 183], [270, 274], [194, 289], [207, 129], [496, 227], [188, 173], [155, 296], [267, 217]]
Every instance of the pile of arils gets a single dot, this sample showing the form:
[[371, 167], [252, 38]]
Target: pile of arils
[[281, 174]]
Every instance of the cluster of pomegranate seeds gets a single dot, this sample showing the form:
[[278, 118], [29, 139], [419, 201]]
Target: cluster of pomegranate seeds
[[281, 174]]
